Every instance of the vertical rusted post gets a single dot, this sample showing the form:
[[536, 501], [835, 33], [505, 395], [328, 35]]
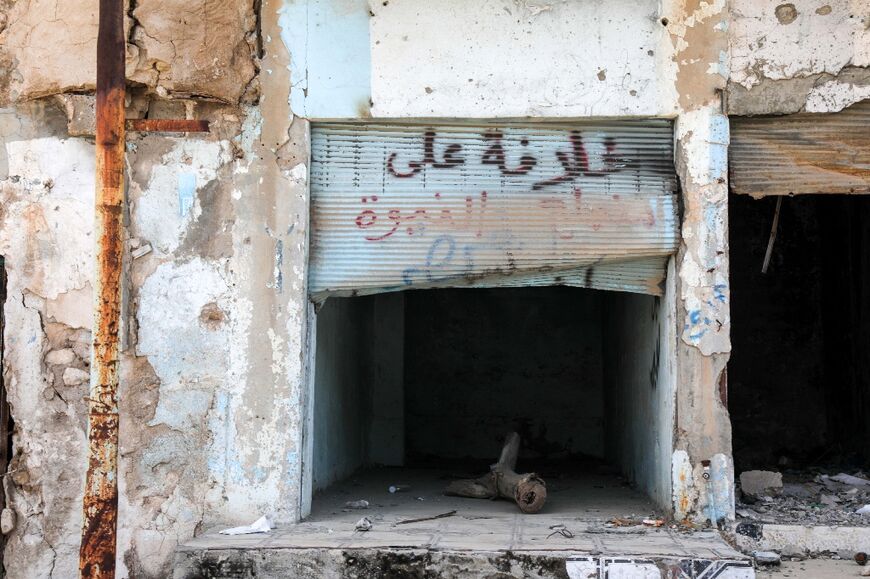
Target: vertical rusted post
[[100, 503]]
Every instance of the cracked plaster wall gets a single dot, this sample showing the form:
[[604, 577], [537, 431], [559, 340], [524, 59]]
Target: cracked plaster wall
[[702, 468], [214, 290], [801, 56], [203, 48], [215, 318]]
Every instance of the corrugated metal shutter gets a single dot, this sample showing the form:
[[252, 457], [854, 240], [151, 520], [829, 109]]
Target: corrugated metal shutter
[[412, 206], [803, 153]]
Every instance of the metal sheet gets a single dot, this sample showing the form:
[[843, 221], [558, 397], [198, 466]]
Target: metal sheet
[[803, 153], [410, 206]]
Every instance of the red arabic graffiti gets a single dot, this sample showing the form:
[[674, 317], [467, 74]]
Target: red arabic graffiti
[[414, 222]]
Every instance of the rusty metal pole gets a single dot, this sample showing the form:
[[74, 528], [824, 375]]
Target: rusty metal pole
[[100, 503]]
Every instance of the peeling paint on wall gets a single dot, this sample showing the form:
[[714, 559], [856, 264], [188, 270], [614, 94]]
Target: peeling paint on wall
[[804, 56], [216, 297]]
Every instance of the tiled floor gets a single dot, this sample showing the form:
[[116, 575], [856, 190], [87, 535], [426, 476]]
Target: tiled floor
[[581, 504]]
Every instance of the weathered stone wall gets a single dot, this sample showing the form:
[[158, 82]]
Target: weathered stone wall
[[206, 367], [214, 298], [205, 49]]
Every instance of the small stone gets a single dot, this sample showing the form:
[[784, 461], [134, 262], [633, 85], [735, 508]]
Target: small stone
[[360, 504], [74, 376], [766, 557], [760, 483], [829, 500], [797, 491], [364, 524], [63, 357], [866, 571], [793, 553], [748, 514], [855, 481], [7, 521], [83, 349]]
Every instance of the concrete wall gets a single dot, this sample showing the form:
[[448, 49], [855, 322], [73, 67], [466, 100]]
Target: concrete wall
[[500, 59], [214, 397], [806, 55], [480, 363], [340, 390], [386, 375], [214, 284], [639, 389], [358, 399]]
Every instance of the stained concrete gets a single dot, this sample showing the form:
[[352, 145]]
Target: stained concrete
[[812, 569], [481, 538]]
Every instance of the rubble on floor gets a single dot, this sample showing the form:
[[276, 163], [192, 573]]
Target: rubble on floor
[[805, 498]]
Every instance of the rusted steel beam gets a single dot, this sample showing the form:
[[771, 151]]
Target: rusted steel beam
[[167, 125], [100, 503]]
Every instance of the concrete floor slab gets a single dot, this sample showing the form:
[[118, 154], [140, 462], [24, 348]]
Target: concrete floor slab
[[481, 539], [812, 569], [803, 540]]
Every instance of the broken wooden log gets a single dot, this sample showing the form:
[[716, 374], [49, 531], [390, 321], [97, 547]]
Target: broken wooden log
[[528, 490]]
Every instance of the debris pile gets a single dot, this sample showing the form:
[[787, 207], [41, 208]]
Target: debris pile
[[805, 498]]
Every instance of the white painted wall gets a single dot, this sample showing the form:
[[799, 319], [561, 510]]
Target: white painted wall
[[495, 58], [803, 55], [639, 388], [340, 391]]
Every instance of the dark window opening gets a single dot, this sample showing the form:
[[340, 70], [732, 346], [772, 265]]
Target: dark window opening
[[799, 375]]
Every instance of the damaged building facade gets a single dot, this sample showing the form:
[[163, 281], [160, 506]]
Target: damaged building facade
[[416, 226]]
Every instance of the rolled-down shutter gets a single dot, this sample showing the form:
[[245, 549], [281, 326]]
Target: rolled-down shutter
[[802, 153], [416, 206]]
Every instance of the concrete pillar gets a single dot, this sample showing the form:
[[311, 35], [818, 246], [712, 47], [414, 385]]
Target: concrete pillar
[[702, 467]]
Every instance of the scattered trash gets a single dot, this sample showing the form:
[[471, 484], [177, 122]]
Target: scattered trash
[[140, 251], [421, 519], [621, 522], [261, 525], [759, 483], [653, 522], [861, 558], [398, 488], [811, 498], [420, 498], [356, 504], [561, 530], [865, 510], [363, 525], [851, 480], [766, 557], [865, 572]]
